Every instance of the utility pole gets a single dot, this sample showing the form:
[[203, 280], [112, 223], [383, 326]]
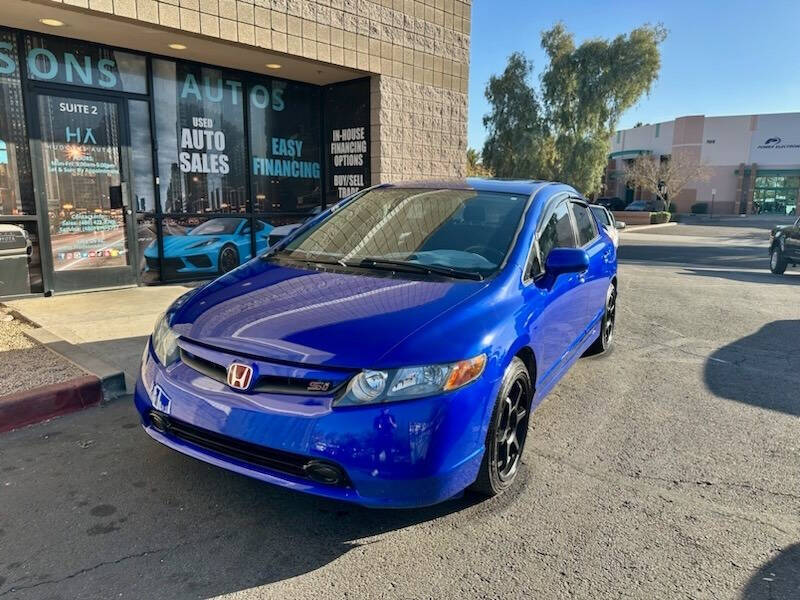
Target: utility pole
[[713, 196]]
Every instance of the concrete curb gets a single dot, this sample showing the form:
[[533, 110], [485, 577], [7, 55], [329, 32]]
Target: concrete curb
[[635, 228], [42, 403], [111, 379]]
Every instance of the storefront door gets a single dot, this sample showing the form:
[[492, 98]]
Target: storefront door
[[83, 190]]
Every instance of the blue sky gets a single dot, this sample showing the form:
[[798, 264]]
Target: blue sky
[[720, 58]]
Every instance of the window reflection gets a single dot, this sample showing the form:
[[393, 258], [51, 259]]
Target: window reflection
[[285, 146], [16, 197], [142, 156], [776, 194], [200, 129]]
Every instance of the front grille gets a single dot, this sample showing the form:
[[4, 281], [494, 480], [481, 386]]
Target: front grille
[[172, 263], [167, 263], [201, 261], [265, 383], [289, 463]]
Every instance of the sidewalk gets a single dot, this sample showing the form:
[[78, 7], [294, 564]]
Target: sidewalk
[[112, 325]]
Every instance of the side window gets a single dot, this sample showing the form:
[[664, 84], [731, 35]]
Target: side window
[[587, 229], [601, 214], [556, 233]]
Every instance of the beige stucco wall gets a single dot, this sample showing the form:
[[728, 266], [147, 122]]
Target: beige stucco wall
[[417, 52]]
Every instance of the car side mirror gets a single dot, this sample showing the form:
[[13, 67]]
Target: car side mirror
[[620, 224], [566, 260]]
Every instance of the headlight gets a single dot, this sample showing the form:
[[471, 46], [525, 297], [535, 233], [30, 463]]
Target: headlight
[[165, 341], [204, 243], [376, 387]]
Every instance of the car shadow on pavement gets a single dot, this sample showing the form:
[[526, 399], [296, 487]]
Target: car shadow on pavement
[[777, 579], [92, 503], [712, 256], [759, 369], [746, 276]]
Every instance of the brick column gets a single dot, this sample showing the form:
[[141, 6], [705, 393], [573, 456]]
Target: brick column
[[741, 203], [417, 131], [751, 186]]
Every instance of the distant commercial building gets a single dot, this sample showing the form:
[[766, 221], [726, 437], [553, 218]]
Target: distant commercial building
[[161, 140], [755, 160]]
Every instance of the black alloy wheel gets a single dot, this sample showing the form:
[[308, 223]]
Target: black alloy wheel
[[508, 429], [610, 317], [606, 338], [228, 259], [777, 263]]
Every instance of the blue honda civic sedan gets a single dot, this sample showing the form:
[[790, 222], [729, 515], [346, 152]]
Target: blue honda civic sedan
[[390, 351]]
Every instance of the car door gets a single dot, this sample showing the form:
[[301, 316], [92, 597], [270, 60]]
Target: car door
[[595, 281], [792, 245], [555, 331]]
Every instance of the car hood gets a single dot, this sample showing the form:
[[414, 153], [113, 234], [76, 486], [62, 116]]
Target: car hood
[[338, 319], [176, 245]]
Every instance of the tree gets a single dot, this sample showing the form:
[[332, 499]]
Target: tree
[[667, 176], [562, 130], [514, 123], [476, 168]]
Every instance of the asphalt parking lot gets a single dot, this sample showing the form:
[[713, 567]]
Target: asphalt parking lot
[[667, 469]]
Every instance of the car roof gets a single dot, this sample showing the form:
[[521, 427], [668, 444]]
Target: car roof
[[510, 186]]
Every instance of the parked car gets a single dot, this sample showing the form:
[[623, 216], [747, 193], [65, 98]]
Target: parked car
[[784, 247], [280, 232], [390, 354], [214, 247], [607, 221], [612, 203], [14, 241], [638, 205]]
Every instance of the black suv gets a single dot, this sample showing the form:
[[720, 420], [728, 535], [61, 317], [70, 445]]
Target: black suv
[[612, 203], [784, 247]]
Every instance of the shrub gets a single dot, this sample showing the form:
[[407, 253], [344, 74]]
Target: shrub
[[660, 217], [700, 208], [673, 208]]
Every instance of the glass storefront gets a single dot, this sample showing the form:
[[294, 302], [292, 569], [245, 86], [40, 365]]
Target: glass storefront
[[118, 167], [16, 188], [80, 154], [776, 194]]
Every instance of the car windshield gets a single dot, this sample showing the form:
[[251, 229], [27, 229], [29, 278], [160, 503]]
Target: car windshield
[[223, 226], [464, 230]]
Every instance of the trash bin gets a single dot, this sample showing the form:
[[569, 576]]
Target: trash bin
[[14, 253]]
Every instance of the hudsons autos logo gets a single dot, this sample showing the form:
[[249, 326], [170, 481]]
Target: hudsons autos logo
[[774, 143]]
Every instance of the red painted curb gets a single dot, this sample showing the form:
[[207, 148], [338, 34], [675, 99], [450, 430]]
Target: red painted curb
[[46, 402]]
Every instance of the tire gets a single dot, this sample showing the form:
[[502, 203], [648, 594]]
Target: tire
[[508, 430], [605, 340], [228, 259], [777, 262]]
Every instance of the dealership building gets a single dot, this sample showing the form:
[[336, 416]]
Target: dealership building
[[144, 141], [754, 161]]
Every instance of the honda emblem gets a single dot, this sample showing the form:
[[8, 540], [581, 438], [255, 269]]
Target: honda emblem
[[240, 376]]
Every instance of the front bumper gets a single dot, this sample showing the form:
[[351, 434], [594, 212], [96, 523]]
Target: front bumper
[[404, 454]]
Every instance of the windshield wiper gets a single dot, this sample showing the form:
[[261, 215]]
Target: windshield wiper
[[383, 263], [305, 259]]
